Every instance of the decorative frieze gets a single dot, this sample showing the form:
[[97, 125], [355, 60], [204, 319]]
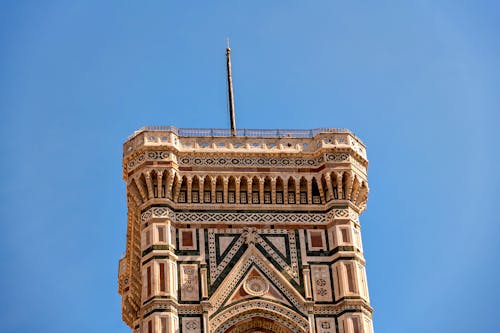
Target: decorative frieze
[[245, 217], [260, 161], [237, 161]]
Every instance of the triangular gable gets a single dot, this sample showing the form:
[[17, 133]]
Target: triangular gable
[[253, 258], [226, 246], [256, 284]]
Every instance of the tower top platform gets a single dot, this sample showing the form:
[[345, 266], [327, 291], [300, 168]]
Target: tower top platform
[[216, 140], [223, 132]]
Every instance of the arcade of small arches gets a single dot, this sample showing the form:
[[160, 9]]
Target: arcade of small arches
[[235, 189]]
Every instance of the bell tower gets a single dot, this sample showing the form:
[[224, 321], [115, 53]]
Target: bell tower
[[244, 231], [239, 231]]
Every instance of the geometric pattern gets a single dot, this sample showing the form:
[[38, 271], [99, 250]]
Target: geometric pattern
[[260, 161], [245, 217], [278, 243], [223, 244], [235, 161], [191, 324], [218, 264], [246, 262], [224, 241], [288, 263]]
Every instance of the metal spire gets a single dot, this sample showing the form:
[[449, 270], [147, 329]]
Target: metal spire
[[230, 89]]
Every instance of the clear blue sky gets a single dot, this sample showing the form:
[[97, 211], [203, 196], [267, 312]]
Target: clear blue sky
[[417, 81]]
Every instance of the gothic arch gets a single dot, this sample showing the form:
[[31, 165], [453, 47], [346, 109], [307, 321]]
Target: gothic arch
[[285, 320]]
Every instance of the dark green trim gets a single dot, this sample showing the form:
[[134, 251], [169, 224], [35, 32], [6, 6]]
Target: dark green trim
[[155, 257], [243, 210], [158, 247]]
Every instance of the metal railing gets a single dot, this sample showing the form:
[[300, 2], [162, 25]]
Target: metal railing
[[262, 133]]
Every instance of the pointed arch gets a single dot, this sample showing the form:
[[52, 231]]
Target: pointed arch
[[221, 312], [316, 196], [303, 190], [255, 190], [243, 190], [280, 190], [176, 186], [291, 191], [219, 190], [181, 191], [195, 189], [231, 190], [260, 316], [207, 189], [267, 190], [161, 174], [336, 185], [154, 183]]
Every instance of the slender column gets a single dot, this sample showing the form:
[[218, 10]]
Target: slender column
[[249, 189], [237, 190], [285, 192], [189, 188], [310, 316], [204, 283], [273, 190], [206, 326], [214, 183], [307, 282], [297, 191], [339, 184], [201, 195], [159, 179], [225, 199], [261, 190], [309, 191]]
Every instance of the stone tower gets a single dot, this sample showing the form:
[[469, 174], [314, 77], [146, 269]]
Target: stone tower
[[253, 232]]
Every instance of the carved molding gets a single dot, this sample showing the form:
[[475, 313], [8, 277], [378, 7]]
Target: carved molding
[[236, 161], [246, 217]]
